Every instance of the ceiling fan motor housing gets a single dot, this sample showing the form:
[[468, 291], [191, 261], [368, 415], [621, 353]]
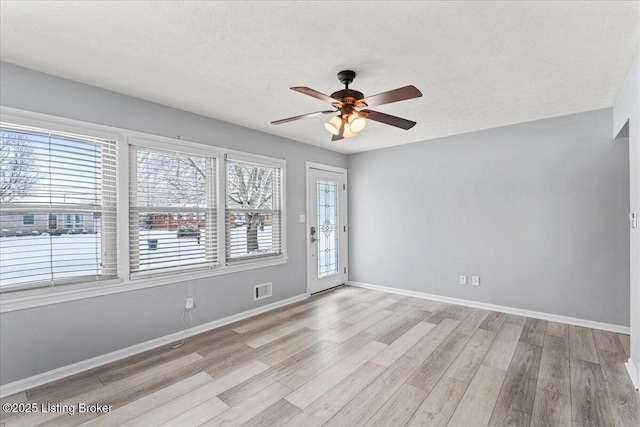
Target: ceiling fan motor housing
[[346, 77]]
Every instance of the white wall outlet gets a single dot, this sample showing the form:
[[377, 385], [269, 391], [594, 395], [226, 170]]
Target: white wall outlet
[[475, 280], [189, 304], [302, 219], [463, 280]]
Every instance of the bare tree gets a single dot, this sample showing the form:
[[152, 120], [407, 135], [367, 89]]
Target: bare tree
[[18, 170], [250, 187], [171, 180]]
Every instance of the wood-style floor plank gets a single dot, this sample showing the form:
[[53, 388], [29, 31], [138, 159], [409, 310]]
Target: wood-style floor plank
[[249, 408], [368, 312], [393, 331], [433, 339], [100, 394], [399, 409], [608, 341], [624, 400], [503, 346], [15, 398], [519, 388], [437, 408], [551, 409], [399, 347], [151, 401], [364, 405], [328, 358], [467, 362], [533, 331], [626, 344], [494, 321], [328, 404], [514, 319], [555, 373], [557, 329], [429, 373], [477, 403], [582, 344], [198, 415], [507, 416], [274, 416], [316, 387], [299, 360], [355, 328], [589, 403], [398, 317], [180, 405]]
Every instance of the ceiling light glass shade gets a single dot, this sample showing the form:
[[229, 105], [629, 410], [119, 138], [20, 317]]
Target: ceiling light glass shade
[[356, 123], [348, 133], [333, 125]]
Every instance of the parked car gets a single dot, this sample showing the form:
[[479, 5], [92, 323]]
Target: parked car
[[77, 231]]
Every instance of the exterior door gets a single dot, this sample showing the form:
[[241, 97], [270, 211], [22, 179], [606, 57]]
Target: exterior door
[[326, 227]]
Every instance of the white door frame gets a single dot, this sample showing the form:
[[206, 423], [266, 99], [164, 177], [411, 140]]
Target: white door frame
[[313, 165]]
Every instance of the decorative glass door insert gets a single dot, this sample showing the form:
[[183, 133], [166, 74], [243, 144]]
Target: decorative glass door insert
[[327, 193]]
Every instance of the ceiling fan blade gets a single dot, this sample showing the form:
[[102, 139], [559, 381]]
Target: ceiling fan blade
[[340, 134], [400, 94], [303, 116], [387, 119], [314, 93]]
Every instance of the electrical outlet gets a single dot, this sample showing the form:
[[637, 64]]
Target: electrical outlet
[[189, 304], [463, 280], [475, 280]]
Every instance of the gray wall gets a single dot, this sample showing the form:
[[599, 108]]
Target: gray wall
[[41, 339], [538, 210]]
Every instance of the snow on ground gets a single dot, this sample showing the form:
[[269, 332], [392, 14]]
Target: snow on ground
[[38, 258]]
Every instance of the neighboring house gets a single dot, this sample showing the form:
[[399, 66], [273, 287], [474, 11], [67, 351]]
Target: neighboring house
[[16, 223]]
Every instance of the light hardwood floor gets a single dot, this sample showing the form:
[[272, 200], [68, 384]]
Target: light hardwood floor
[[352, 357]]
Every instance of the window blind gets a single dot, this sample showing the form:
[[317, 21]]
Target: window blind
[[57, 208], [172, 211], [253, 214]]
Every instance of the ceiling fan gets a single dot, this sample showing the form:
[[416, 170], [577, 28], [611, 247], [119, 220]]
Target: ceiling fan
[[352, 110]]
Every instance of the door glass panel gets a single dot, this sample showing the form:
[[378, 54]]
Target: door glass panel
[[327, 227]]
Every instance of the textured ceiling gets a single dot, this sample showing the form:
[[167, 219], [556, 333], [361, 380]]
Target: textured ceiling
[[478, 64]]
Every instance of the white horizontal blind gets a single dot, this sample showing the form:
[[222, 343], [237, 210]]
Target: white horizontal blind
[[57, 208], [253, 214], [172, 211]]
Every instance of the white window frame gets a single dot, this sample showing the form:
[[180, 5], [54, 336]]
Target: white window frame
[[36, 297], [40, 121], [183, 149]]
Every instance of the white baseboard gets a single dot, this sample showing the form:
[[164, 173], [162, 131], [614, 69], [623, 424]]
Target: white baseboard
[[65, 371], [521, 312], [634, 373]]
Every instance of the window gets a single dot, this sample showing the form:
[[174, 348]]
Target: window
[[45, 174], [172, 211], [28, 219], [253, 210], [73, 221]]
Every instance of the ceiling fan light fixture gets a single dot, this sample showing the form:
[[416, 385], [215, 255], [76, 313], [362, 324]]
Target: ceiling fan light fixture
[[333, 125], [356, 123], [348, 133]]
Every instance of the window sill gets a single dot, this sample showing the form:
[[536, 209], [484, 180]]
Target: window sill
[[14, 302]]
